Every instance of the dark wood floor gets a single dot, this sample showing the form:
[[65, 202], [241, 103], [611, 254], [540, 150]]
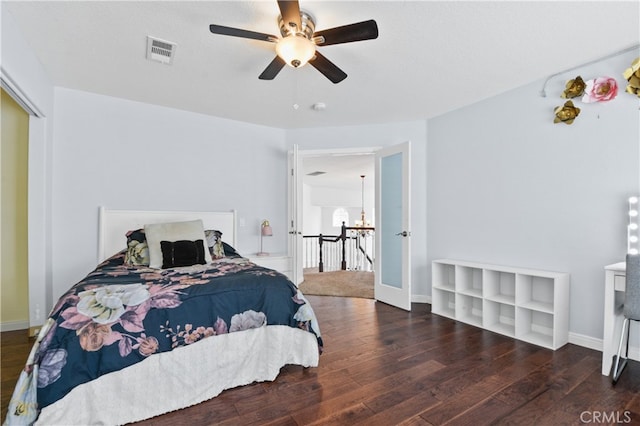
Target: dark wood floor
[[384, 366], [14, 350]]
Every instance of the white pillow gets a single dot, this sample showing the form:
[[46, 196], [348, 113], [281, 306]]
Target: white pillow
[[173, 231]]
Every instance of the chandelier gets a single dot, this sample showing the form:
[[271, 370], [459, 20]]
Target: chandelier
[[363, 222]]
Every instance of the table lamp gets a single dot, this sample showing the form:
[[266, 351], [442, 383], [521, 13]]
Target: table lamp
[[265, 231]]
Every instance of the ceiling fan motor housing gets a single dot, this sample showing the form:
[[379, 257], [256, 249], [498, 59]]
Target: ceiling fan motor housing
[[290, 28], [296, 47]]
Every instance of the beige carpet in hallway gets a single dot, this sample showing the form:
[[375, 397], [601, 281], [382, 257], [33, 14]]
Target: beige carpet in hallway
[[338, 283]]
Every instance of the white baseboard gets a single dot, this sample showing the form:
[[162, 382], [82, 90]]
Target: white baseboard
[[585, 341], [596, 344], [420, 298], [14, 325], [574, 338]]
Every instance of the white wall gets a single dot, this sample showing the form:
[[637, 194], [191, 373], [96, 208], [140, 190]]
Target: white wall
[[311, 225], [507, 186], [336, 197], [127, 155], [330, 199], [21, 68], [380, 135], [326, 221]]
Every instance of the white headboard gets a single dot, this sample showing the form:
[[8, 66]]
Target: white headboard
[[114, 225]]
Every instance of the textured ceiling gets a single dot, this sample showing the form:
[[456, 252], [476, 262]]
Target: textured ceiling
[[430, 58], [340, 171]]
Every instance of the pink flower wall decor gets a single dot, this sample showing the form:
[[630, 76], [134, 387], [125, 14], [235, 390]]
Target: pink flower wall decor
[[601, 89]]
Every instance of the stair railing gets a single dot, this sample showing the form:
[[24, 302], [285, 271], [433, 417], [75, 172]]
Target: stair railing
[[353, 249]]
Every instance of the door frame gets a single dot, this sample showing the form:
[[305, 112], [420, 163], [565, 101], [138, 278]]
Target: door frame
[[39, 202], [301, 154]]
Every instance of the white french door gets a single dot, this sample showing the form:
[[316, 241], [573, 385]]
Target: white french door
[[393, 220], [294, 215]]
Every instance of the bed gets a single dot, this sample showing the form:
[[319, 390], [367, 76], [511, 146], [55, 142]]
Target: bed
[[187, 331]]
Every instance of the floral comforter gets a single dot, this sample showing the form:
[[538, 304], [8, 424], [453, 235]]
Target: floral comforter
[[119, 315]]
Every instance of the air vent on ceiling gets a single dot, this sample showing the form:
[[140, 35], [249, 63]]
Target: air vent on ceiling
[[318, 173], [160, 50]]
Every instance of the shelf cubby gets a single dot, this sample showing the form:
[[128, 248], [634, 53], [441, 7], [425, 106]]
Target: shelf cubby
[[444, 276], [468, 280], [446, 304], [527, 304], [469, 309], [535, 292], [500, 318], [500, 286], [535, 327]]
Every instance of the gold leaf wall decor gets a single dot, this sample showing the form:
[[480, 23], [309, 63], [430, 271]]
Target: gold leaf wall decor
[[574, 88], [566, 113], [633, 77]]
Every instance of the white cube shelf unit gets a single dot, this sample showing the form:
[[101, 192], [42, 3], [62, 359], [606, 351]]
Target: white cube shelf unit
[[526, 304]]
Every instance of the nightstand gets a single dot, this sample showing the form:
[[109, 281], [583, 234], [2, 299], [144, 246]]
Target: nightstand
[[278, 261]]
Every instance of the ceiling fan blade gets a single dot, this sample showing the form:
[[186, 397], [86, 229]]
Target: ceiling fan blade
[[236, 32], [327, 68], [365, 30], [272, 69], [290, 11]]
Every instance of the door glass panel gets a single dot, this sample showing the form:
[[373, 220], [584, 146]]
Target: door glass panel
[[391, 220]]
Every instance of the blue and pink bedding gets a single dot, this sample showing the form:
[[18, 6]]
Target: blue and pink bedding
[[120, 315]]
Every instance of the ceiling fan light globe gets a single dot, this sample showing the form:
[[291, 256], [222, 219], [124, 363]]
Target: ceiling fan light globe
[[295, 50]]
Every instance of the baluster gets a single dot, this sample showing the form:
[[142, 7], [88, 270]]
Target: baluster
[[320, 265], [343, 237]]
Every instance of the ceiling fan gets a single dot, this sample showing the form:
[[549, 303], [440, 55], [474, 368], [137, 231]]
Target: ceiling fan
[[299, 40]]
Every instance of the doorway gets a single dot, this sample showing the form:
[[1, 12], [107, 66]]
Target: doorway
[[392, 271], [338, 186], [14, 278]]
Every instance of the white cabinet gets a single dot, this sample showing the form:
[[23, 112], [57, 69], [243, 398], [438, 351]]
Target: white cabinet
[[526, 304], [279, 262]]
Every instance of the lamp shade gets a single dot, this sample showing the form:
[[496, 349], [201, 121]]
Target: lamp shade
[[266, 229], [295, 50]]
